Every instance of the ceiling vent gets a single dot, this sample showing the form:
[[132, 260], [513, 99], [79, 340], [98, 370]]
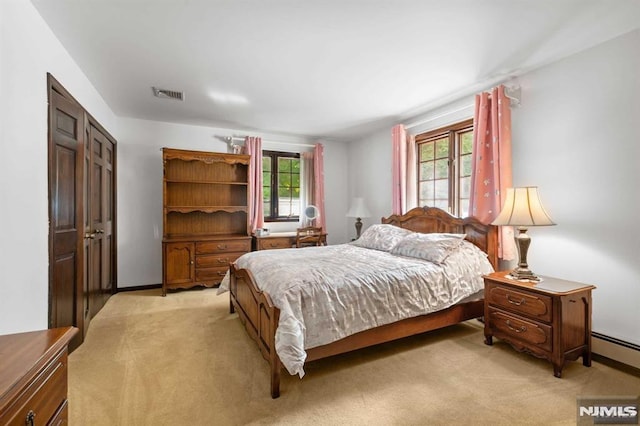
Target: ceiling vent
[[168, 94]]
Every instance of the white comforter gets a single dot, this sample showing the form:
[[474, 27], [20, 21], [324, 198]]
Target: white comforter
[[327, 293]]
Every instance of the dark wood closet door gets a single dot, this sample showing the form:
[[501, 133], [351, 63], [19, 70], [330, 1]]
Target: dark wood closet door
[[82, 204], [65, 213], [100, 205]]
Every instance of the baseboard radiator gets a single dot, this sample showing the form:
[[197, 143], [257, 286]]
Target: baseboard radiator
[[616, 349]]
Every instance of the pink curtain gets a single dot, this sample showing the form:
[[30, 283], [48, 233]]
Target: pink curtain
[[403, 170], [253, 147], [398, 168], [491, 163], [411, 199], [318, 184]]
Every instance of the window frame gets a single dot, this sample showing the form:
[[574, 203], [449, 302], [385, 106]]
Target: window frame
[[273, 155], [451, 132]]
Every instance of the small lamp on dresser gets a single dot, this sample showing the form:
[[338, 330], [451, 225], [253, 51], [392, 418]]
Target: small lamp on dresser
[[523, 208], [358, 210]]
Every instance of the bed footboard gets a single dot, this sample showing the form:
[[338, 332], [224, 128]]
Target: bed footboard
[[260, 318]]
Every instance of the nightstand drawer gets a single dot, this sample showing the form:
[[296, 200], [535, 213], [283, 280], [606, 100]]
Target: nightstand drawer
[[223, 246], [276, 243], [537, 306], [528, 332]]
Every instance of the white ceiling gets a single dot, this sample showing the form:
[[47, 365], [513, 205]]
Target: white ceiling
[[326, 68]]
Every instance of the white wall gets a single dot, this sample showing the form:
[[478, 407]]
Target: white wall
[[575, 137], [28, 50], [140, 188]]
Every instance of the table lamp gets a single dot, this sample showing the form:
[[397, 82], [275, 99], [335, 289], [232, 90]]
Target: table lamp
[[523, 208], [358, 210]]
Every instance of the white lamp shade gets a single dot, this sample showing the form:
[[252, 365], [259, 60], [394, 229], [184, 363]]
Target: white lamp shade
[[358, 209], [522, 207]]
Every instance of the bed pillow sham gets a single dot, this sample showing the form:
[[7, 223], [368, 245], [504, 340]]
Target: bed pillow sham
[[434, 248], [381, 237]]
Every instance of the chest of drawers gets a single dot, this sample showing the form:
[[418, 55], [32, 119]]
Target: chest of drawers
[[550, 319], [33, 377], [200, 263]]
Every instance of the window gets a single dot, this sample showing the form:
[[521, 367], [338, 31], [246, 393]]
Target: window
[[444, 168], [281, 186]]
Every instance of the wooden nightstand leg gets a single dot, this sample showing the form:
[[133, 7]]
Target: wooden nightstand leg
[[232, 310], [488, 340], [586, 359], [557, 371]]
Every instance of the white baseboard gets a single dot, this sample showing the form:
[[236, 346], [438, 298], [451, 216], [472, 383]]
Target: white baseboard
[[617, 350]]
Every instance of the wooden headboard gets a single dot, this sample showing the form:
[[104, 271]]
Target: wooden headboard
[[431, 219]]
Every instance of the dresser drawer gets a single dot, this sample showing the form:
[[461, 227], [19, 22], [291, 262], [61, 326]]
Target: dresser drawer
[[216, 260], [528, 332], [213, 275], [43, 398], [223, 246], [537, 306], [275, 243]]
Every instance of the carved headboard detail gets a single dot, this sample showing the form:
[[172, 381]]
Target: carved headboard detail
[[431, 219]]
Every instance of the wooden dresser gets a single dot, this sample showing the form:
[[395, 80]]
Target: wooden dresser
[[206, 216], [550, 319], [33, 377]]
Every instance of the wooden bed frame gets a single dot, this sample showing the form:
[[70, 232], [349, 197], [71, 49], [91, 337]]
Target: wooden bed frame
[[260, 317]]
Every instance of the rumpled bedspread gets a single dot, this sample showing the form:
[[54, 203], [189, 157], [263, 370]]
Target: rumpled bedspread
[[327, 293]]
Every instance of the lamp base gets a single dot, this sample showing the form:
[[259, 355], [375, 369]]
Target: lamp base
[[358, 227], [523, 274]]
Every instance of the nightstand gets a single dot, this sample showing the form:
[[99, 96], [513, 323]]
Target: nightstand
[[550, 319]]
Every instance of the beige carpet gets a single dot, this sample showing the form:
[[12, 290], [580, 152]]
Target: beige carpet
[[184, 360]]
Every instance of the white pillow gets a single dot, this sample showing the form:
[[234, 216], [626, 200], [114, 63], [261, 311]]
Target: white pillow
[[432, 247], [381, 237]]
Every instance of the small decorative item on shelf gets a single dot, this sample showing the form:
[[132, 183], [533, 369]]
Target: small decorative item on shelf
[[262, 232]]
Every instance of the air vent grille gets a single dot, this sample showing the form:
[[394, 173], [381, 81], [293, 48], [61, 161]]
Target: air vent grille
[[168, 94]]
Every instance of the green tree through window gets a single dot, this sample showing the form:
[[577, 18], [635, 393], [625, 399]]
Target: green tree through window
[[444, 168], [281, 186]]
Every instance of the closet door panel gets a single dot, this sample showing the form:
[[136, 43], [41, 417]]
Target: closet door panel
[[65, 213]]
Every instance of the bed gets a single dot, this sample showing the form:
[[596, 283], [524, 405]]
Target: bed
[[251, 299]]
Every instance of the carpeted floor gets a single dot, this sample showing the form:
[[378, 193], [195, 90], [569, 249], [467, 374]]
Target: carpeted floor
[[184, 360]]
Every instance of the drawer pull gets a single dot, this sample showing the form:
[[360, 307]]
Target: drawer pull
[[273, 245], [222, 274], [522, 328], [516, 302], [30, 419], [222, 246], [225, 260]]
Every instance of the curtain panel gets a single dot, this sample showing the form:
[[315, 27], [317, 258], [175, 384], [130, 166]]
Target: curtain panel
[[491, 163], [403, 170], [253, 147], [399, 168], [306, 182], [318, 185]]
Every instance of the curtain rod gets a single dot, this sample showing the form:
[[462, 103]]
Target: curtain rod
[[230, 139], [511, 93]]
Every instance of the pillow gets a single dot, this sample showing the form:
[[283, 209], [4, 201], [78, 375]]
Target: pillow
[[432, 247], [381, 237]]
